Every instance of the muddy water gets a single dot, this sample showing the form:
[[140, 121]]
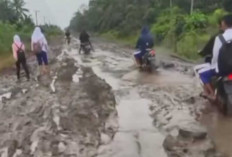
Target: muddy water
[[161, 77], [136, 136], [220, 129]]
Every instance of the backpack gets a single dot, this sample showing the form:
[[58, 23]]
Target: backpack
[[37, 47], [225, 57], [20, 53]]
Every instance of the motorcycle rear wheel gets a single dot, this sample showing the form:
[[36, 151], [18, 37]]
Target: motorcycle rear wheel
[[229, 105]]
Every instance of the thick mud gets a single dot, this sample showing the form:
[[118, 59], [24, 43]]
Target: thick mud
[[56, 116], [100, 105], [220, 129]]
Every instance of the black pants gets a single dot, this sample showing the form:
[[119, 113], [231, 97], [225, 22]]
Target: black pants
[[24, 65]]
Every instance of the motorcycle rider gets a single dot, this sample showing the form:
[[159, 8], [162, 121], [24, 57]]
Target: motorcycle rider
[[67, 35], [144, 42], [84, 39], [211, 70]]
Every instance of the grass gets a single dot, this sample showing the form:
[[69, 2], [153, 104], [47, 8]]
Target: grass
[[113, 36], [6, 61]]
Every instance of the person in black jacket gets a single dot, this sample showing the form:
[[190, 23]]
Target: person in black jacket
[[207, 51], [84, 39], [67, 35]]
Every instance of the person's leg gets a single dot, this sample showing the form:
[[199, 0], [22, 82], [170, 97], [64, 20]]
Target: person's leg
[[45, 61], [18, 70], [206, 78], [40, 61], [80, 49], [138, 58], [138, 61], [209, 89], [24, 64]]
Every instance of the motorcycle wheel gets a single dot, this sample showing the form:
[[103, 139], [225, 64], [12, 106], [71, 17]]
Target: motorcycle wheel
[[152, 67], [221, 104], [229, 105]]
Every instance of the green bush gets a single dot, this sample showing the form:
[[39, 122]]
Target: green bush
[[51, 30], [7, 32], [166, 23], [216, 16], [190, 43], [115, 35], [195, 21]]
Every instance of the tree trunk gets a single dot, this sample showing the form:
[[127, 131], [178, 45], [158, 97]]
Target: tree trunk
[[192, 6]]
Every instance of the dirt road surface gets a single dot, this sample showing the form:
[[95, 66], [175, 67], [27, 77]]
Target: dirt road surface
[[100, 105]]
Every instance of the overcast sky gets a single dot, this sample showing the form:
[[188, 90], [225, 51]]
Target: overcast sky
[[57, 12]]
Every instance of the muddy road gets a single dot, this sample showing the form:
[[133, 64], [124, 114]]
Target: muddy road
[[101, 106]]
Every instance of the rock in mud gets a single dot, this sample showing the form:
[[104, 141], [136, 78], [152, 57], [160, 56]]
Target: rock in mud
[[170, 143], [193, 131], [166, 65], [180, 147], [105, 139]]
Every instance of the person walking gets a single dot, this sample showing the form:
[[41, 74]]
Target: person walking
[[19, 55], [39, 46]]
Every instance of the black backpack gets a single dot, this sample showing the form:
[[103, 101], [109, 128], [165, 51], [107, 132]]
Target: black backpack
[[20, 53], [225, 57]]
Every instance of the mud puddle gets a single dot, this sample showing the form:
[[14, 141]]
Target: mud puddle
[[161, 77], [220, 130], [150, 107], [136, 135]]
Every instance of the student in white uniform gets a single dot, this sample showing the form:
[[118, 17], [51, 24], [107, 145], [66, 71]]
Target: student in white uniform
[[212, 70]]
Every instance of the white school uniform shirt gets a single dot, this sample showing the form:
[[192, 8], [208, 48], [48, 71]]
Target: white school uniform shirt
[[217, 46], [38, 36]]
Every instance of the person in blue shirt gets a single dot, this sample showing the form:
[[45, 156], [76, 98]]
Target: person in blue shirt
[[144, 42]]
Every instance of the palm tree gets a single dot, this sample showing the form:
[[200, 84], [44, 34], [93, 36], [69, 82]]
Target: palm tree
[[18, 6], [6, 12]]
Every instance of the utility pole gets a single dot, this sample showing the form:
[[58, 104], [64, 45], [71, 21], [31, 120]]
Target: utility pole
[[44, 20], [171, 3], [36, 17], [192, 6]]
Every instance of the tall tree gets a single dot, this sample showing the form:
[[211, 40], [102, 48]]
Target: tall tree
[[18, 6], [6, 12]]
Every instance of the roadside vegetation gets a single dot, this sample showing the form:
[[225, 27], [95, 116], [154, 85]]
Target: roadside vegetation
[[15, 19], [181, 25]]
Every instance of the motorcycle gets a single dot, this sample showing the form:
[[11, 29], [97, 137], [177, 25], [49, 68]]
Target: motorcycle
[[223, 91], [86, 47], [149, 61]]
